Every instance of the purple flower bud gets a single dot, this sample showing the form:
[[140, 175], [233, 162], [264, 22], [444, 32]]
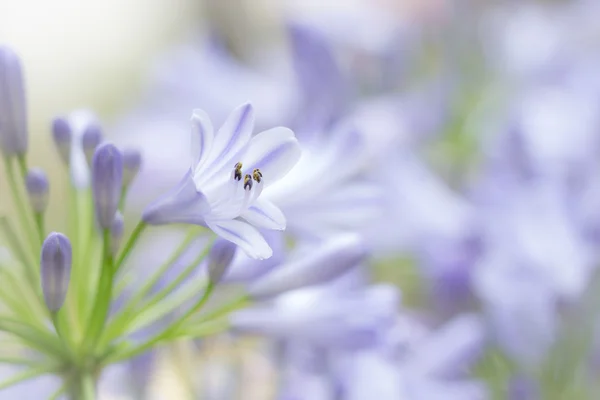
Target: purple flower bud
[[219, 259], [132, 160], [107, 178], [13, 111], [61, 132], [116, 232], [36, 183], [331, 260], [55, 269], [91, 138]]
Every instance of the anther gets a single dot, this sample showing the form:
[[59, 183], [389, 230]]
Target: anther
[[237, 172], [247, 182], [257, 175]]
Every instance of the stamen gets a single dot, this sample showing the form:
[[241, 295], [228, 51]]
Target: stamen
[[248, 182], [237, 171], [257, 175]]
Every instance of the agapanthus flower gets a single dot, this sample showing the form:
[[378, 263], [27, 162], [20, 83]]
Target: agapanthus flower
[[423, 364], [74, 305], [222, 190]]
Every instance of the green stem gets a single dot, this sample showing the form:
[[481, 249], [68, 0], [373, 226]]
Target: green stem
[[133, 238], [14, 300], [20, 204], [59, 392], [18, 361], [80, 386], [166, 333], [207, 329], [120, 321], [34, 337], [176, 282], [236, 304], [28, 301], [25, 375], [89, 388], [103, 296], [15, 245], [123, 198], [165, 307], [22, 162], [39, 223]]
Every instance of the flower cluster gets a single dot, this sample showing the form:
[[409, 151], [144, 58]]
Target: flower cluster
[[358, 226]]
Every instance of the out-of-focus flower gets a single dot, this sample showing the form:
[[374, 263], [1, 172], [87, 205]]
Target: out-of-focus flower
[[228, 174], [55, 269], [37, 186], [107, 179], [427, 365], [13, 107]]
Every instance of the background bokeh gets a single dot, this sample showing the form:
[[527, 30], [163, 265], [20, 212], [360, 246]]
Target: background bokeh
[[472, 91]]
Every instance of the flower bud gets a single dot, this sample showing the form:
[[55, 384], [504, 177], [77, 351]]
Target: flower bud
[[55, 269], [91, 138], [219, 259], [107, 178], [326, 263], [132, 160], [13, 111], [61, 132], [36, 183], [116, 232]]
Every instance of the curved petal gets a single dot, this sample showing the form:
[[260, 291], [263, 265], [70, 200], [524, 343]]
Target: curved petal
[[244, 235], [183, 204], [330, 260], [231, 138], [245, 269], [274, 152], [264, 214], [202, 138]]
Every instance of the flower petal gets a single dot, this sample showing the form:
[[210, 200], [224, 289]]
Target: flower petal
[[330, 260], [264, 214], [231, 138], [182, 204], [244, 235], [274, 152], [245, 269], [323, 87], [202, 138]]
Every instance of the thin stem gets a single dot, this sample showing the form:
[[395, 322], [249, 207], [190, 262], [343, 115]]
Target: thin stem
[[20, 204], [15, 244], [39, 223], [103, 295], [18, 361], [34, 337], [22, 162], [123, 198], [133, 238], [59, 392], [120, 321], [176, 282], [234, 305], [15, 301], [57, 325], [165, 333], [207, 329], [165, 307], [25, 375], [27, 298]]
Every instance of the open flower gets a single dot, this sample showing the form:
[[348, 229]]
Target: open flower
[[229, 171]]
